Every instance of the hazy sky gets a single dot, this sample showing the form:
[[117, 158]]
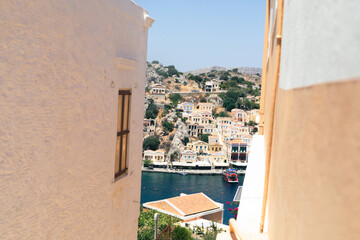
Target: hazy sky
[[192, 34]]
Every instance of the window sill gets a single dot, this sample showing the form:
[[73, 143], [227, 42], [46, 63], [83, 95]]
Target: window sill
[[121, 175]]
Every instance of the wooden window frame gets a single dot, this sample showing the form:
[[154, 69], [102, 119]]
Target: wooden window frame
[[120, 158]]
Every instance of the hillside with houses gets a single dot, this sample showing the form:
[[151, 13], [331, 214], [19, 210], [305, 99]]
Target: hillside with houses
[[200, 119]]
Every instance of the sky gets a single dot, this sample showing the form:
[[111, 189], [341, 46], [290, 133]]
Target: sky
[[192, 34]]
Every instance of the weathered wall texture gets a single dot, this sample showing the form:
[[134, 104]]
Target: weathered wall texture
[[59, 84], [215, 217], [314, 168]]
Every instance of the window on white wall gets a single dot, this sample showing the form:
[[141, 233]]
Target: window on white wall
[[122, 138]]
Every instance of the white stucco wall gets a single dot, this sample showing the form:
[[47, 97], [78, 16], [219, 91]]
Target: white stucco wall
[[62, 63], [320, 42]]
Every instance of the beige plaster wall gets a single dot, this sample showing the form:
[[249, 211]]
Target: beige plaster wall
[[60, 74], [314, 165]]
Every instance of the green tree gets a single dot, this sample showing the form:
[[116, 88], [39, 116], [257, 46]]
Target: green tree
[[174, 156], [152, 110], [162, 73], [224, 77], [151, 143], [251, 123], [204, 138], [255, 130], [229, 104], [175, 98], [167, 126], [172, 71], [185, 140], [246, 104], [155, 62]]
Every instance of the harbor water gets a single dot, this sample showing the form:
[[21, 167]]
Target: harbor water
[[156, 186]]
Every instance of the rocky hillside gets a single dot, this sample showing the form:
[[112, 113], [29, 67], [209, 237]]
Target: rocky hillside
[[245, 70], [176, 81]]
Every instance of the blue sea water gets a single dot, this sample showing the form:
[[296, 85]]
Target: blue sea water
[[156, 186]]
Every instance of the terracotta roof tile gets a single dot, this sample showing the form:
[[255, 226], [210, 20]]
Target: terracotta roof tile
[[194, 203], [163, 205]]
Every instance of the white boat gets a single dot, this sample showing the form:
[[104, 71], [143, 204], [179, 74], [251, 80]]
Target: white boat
[[183, 173]]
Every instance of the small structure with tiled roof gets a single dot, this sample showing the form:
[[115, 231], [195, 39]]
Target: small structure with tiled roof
[[189, 207]]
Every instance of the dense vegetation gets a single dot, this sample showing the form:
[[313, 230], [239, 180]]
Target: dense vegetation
[[167, 126], [234, 98], [151, 143], [205, 138], [175, 98], [146, 224], [221, 114], [152, 110]]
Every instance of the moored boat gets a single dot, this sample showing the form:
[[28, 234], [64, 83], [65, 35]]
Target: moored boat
[[230, 176]]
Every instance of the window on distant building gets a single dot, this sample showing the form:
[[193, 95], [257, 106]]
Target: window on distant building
[[121, 163]]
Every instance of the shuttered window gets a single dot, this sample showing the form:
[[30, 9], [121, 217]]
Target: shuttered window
[[122, 137]]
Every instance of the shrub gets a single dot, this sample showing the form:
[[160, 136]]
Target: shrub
[[167, 126], [181, 233], [147, 162], [221, 114], [203, 100], [146, 224]]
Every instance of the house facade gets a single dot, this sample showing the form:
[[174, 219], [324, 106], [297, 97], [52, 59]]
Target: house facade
[[239, 115], [72, 110], [186, 107], [236, 150], [212, 86], [188, 156], [155, 156], [158, 92], [205, 107]]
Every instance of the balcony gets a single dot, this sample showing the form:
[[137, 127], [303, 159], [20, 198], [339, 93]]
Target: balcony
[[247, 225]]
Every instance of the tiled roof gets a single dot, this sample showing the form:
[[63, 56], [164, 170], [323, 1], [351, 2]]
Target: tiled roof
[[193, 203], [163, 205], [235, 141], [215, 144]]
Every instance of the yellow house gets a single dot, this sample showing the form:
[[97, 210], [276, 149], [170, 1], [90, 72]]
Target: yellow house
[[215, 147], [218, 158], [198, 146], [205, 107]]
